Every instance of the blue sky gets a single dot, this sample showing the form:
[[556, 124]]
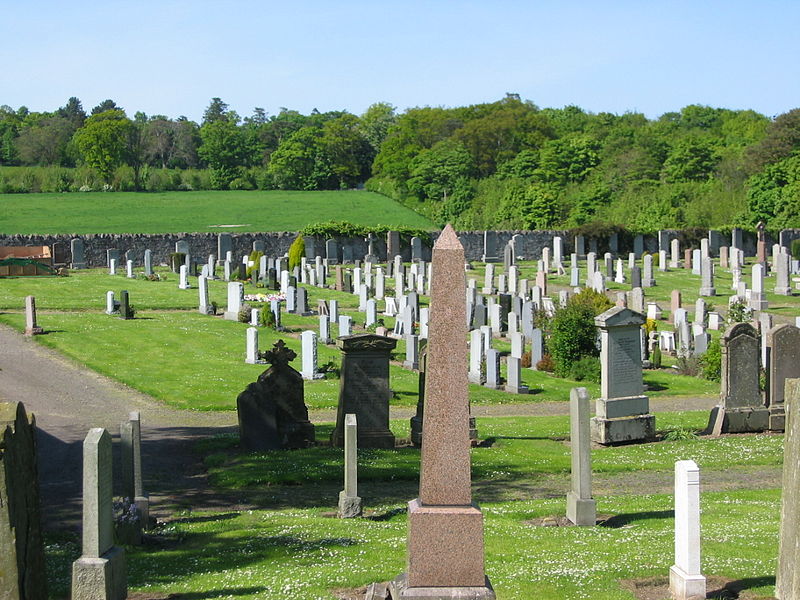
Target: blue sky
[[172, 57]]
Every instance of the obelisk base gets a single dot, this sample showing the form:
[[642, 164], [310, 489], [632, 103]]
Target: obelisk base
[[684, 586], [445, 554], [399, 589], [102, 577]]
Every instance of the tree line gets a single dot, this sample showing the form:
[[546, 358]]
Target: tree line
[[505, 164]]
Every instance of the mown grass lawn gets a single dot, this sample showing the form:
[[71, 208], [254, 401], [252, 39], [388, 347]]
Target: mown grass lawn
[[175, 212]]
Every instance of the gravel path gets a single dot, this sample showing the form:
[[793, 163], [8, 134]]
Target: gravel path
[[68, 399]]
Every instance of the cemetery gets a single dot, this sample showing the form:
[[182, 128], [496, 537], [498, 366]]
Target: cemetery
[[489, 414]]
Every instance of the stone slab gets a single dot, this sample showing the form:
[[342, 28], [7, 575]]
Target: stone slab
[[629, 429], [399, 589], [622, 407], [684, 586], [438, 554], [740, 420]]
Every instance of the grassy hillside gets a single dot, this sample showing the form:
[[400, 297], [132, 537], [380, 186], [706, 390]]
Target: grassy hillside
[[170, 212]]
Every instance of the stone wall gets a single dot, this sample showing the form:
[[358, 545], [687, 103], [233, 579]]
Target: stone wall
[[277, 244]]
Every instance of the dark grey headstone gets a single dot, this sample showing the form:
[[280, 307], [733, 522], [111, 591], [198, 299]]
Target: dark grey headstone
[[272, 412], [364, 390], [22, 564]]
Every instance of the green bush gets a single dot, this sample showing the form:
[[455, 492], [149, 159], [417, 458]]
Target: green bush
[[255, 258], [593, 300], [711, 362], [586, 368], [266, 318], [573, 336], [296, 252], [655, 358]]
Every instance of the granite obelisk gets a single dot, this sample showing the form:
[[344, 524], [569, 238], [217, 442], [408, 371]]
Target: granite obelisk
[[445, 528]]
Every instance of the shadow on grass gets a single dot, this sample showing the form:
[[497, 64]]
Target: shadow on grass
[[223, 593], [739, 585], [207, 518], [622, 520]]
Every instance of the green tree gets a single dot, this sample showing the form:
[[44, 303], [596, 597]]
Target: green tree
[[299, 164], [692, 159], [46, 142], [376, 122], [224, 149], [105, 106], [346, 150], [573, 336], [103, 141]]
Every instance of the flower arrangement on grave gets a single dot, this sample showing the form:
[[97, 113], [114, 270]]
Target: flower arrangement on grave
[[264, 297]]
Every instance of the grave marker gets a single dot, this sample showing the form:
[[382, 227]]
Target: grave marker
[[581, 507], [100, 572]]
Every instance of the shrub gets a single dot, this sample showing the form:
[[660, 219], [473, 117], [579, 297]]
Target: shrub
[[655, 358], [546, 364], [688, 365], [795, 249], [711, 362], [525, 361], [573, 336], [738, 312], [255, 258], [296, 252], [245, 313], [593, 300], [266, 318], [587, 368]]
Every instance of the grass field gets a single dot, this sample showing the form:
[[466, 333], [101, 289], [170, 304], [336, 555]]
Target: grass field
[[166, 351], [290, 548], [171, 212], [285, 545]]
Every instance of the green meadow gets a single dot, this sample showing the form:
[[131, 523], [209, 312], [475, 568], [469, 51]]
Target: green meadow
[[208, 211]]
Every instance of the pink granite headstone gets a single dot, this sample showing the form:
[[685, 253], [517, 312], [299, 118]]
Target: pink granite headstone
[[445, 531]]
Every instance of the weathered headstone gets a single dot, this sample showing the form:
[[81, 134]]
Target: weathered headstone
[[787, 577], [581, 507], [783, 362], [623, 409], [125, 308], [100, 572], [22, 564], [685, 579], [349, 501], [130, 435], [490, 247], [741, 408], [31, 327], [514, 383], [235, 300], [445, 528], [272, 412], [308, 348], [76, 251], [205, 307], [364, 389], [251, 348], [707, 275]]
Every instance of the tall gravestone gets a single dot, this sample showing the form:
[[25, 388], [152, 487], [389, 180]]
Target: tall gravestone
[[686, 582], [623, 411], [31, 327], [490, 247], [741, 409], [78, 258], [364, 389], [783, 362], [581, 507], [235, 300], [349, 500], [271, 411], [22, 565], [787, 577], [130, 435], [100, 572], [445, 528]]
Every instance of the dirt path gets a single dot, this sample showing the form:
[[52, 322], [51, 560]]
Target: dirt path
[[69, 399]]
